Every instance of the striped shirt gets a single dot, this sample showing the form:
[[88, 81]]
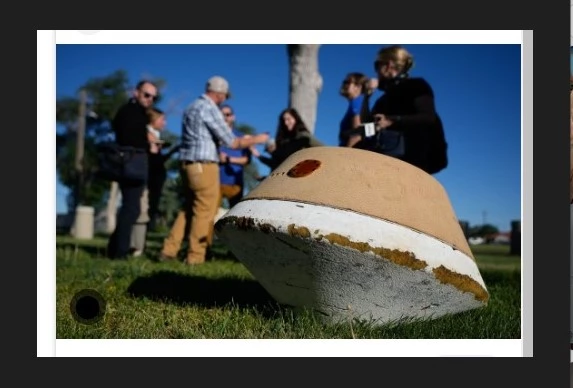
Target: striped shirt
[[202, 130]]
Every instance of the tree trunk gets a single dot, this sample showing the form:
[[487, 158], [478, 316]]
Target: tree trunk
[[305, 81], [112, 207]]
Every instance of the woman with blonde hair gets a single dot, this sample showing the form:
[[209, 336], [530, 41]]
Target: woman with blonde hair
[[409, 128]]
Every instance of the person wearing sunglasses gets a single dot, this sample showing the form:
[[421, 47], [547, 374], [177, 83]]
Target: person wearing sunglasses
[[356, 89], [406, 114], [130, 128], [232, 163]]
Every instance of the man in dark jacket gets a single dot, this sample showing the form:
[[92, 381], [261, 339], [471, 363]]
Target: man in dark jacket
[[130, 127]]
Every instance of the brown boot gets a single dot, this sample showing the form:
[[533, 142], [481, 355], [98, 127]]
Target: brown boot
[[163, 258]]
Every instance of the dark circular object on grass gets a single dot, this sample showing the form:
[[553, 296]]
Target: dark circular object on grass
[[87, 306]]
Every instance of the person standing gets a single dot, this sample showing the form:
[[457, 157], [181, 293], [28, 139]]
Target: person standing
[[155, 180], [357, 89], [157, 163], [232, 162], [130, 128], [203, 130], [406, 113], [292, 135]]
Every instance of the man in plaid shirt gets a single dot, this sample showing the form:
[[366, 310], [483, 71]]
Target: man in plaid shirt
[[203, 130]]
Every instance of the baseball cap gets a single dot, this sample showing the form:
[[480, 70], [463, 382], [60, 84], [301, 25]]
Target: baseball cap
[[219, 85]]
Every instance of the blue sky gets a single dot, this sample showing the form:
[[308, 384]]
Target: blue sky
[[477, 88]]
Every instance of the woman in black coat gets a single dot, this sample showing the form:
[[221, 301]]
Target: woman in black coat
[[406, 110], [292, 136]]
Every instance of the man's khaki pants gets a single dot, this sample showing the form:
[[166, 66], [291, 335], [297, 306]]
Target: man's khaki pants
[[201, 182]]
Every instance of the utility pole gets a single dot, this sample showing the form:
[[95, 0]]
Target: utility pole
[[80, 146], [484, 217], [83, 226]]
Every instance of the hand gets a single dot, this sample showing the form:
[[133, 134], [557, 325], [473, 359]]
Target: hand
[[353, 140], [152, 138], [255, 152], [372, 84], [270, 147], [154, 148], [223, 157], [262, 138], [381, 121]]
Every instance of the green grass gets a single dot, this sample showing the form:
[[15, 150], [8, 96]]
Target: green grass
[[221, 299]]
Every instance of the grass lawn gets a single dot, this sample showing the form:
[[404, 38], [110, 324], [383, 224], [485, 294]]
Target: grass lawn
[[221, 299]]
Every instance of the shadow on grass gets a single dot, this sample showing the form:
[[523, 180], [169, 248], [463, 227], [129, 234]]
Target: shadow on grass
[[172, 287], [97, 249]]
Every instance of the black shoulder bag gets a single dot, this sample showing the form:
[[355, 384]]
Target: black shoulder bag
[[386, 142], [122, 163]]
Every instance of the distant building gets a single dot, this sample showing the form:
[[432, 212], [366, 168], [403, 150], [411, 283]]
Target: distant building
[[476, 240], [502, 238], [499, 238]]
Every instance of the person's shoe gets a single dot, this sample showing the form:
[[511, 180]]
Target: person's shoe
[[137, 253], [164, 258]]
